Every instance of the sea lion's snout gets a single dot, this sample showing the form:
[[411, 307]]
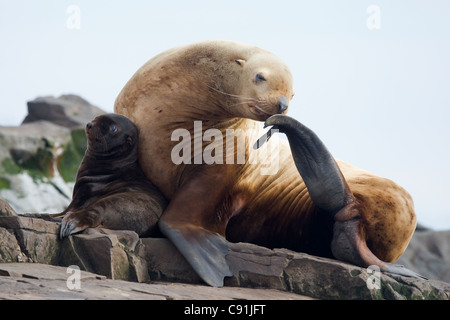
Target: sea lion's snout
[[283, 104], [92, 126], [88, 128]]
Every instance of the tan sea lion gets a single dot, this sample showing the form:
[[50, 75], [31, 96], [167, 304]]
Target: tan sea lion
[[229, 87], [110, 189]]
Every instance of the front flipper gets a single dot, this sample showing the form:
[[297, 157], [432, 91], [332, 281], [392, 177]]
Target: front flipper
[[330, 192], [76, 221], [205, 251], [195, 223]]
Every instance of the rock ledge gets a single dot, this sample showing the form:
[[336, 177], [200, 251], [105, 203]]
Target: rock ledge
[[122, 255]]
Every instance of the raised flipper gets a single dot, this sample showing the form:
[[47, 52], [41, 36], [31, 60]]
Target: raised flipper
[[320, 172], [329, 191], [205, 251]]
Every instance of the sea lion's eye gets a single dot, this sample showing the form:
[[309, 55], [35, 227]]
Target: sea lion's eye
[[113, 128], [259, 78]]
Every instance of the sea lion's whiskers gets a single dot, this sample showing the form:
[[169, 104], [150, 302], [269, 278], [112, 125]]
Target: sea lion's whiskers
[[231, 95], [260, 106], [243, 103]]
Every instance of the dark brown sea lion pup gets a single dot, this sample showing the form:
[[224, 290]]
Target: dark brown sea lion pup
[[231, 86], [110, 189]]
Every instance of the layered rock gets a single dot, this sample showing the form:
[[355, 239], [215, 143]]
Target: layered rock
[[122, 255], [68, 111], [39, 281], [428, 254], [40, 158]]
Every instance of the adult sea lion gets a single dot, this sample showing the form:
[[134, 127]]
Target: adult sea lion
[[110, 189], [229, 87]]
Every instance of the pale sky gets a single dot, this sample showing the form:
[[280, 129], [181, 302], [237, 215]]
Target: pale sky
[[374, 85]]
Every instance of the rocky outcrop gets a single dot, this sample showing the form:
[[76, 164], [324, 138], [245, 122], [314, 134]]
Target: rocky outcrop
[[36, 281], [428, 254], [122, 255], [40, 158], [67, 111]]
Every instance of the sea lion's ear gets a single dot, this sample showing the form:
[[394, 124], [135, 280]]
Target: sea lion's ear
[[240, 62]]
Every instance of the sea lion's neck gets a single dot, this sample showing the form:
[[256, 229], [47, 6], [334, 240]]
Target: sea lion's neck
[[96, 174], [98, 166]]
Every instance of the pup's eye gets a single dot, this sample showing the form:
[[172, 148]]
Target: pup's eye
[[259, 78], [113, 128]]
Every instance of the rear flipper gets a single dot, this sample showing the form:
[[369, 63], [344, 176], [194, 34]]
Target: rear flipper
[[204, 250], [348, 245], [330, 192], [401, 270]]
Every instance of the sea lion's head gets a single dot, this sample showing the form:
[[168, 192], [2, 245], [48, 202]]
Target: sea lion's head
[[266, 86], [111, 136]]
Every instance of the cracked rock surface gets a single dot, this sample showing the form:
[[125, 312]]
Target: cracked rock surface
[[23, 281], [119, 264]]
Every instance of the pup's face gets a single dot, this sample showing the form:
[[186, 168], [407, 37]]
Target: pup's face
[[111, 134]]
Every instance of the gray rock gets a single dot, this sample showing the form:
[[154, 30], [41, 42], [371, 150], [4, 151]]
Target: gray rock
[[37, 281], [40, 158], [6, 210], [10, 250], [317, 277], [164, 262], [121, 255], [67, 110], [428, 254], [42, 272], [28, 138], [110, 253]]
